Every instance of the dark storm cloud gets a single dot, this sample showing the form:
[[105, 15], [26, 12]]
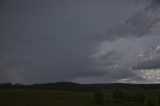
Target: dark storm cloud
[[132, 27], [150, 59], [151, 64], [137, 25], [89, 73], [52, 35], [48, 41], [1, 2], [153, 5], [140, 27], [133, 56]]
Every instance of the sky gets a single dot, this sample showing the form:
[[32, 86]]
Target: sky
[[83, 41]]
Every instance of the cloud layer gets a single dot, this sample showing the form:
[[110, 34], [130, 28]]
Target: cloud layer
[[129, 51], [82, 41]]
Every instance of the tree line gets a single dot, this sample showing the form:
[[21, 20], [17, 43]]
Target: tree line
[[120, 96]]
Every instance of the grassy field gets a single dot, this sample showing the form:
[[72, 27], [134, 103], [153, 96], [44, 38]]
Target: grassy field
[[20, 97]]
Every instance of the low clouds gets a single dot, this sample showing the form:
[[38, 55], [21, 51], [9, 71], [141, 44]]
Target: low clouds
[[125, 60], [151, 60], [150, 64], [13, 71]]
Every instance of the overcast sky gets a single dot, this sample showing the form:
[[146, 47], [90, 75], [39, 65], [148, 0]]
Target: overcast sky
[[84, 41]]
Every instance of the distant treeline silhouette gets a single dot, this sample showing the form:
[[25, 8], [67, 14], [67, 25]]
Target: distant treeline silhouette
[[70, 86]]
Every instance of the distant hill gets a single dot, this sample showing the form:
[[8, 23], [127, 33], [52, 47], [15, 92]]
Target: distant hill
[[70, 86]]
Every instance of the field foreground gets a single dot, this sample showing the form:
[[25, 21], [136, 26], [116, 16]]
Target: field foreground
[[27, 97]]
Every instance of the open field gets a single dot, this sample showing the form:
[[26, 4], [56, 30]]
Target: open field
[[21, 97]]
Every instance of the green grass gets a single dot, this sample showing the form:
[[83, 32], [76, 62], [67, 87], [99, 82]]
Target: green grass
[[44, 98], [20, 97]]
